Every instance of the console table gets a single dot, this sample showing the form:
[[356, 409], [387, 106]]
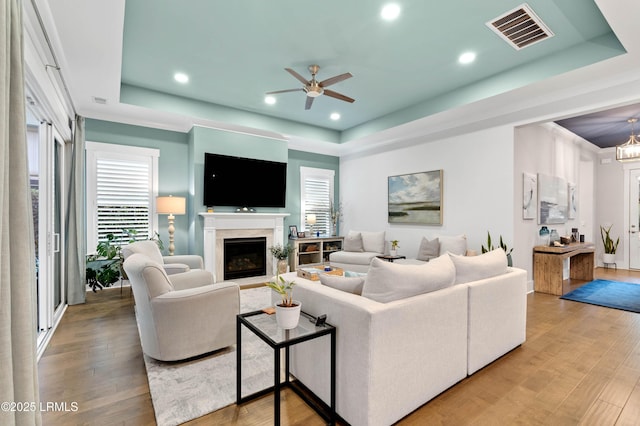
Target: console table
[[548, 262]]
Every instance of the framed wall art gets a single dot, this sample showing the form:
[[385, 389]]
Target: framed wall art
[[416, 198], [529, 195], [573, 201], [553, 199]]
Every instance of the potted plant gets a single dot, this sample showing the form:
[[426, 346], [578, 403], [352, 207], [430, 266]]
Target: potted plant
[[288, 310], [503, 246], [394, 248], [281, 253], [610, 247]]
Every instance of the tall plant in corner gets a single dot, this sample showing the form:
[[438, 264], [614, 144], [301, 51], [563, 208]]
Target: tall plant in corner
[[610, 247]]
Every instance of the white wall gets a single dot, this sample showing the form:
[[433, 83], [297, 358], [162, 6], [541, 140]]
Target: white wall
[[610, 208], [551, 150], [478, 188]]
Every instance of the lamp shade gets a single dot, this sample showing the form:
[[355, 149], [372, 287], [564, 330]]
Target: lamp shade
[[171, 205], [311, 219]]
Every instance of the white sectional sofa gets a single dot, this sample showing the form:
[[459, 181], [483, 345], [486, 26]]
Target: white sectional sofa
[[417, 333], [359, 249]]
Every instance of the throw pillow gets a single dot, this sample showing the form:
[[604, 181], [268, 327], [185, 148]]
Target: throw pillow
[[353, 242], [474, 268], [348, 284], [455, 245], [373, 241], [386, 281], [428, 249]]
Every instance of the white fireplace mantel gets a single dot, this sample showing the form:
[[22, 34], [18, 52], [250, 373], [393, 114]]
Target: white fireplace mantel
[[214, 222]]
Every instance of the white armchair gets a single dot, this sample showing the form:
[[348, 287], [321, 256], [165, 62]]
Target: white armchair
[[182, 315], [172, 264]]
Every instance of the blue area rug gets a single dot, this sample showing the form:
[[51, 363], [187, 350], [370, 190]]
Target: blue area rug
[[611, 294]]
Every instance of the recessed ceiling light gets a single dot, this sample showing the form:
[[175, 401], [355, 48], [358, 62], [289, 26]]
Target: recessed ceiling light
[[181, 77], [467, 57], [334, 116], [390, 12], [270, 100]]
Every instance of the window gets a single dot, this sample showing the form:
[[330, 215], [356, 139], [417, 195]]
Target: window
[[316, 194], [121, 189]]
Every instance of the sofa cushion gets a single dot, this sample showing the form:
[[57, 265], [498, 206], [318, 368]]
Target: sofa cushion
[[456, 244], [428, 249], [386, 281], [353, 242], [474, 268], [348, 284], [373, 241], [351, 257]]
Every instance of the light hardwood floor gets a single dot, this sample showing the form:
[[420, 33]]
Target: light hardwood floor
[[579, 365]]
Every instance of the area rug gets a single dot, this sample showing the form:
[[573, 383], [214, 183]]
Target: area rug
[[182, 391], [611, 294]]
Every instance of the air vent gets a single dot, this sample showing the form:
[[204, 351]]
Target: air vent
[[99, 100], [520, 27]]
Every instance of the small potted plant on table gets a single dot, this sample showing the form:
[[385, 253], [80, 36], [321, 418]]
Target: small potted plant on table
[[288, 310], [281, 253], [394, 248]]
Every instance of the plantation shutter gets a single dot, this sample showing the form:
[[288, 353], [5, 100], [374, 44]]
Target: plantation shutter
[[317, 193], [121, 189], [123, 198]]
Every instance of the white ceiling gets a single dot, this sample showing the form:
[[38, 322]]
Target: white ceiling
[[88, 40]]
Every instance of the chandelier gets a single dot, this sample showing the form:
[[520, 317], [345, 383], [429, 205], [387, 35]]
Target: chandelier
[[630, 150]]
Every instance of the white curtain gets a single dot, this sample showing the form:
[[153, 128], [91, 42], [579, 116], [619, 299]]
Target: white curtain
[[18, 371], [75, 250]]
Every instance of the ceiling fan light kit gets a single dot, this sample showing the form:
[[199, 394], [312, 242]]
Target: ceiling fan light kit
[[314, 88], [630, 150]]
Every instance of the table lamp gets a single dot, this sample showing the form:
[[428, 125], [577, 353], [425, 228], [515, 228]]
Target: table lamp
[[311, 220], [171, 205]]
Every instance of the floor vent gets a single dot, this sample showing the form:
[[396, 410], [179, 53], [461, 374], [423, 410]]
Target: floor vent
[[520, 27]]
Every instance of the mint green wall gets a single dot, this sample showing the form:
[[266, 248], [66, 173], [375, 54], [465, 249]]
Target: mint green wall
[[173, 166], [181, 168], [299, 159]]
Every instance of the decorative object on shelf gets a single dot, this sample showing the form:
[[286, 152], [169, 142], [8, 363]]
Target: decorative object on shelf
[[610, 247], [554, 237], [503, 246], [288, 310], [394, 248], [575, 236], [415, 198], [336, 214], [293, 231], [281, 253], [529, 195], [311, 220], [543, 236], [630, 150], [171, 205]]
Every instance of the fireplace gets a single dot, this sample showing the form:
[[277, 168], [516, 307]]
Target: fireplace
[[244, 257]]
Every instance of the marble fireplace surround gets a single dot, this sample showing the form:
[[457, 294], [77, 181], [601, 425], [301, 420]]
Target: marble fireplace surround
[[218, 226]]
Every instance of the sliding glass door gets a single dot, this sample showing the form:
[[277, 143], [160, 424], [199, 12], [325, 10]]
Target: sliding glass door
[[46, 169]]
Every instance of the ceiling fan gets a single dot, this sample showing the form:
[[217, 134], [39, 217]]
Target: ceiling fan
[[313, 88]]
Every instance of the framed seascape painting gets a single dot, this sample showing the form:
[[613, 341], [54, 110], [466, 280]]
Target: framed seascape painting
[[416, 198], [553, 199]]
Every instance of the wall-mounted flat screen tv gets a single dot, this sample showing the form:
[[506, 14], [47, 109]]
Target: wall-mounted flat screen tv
[[243, 182]]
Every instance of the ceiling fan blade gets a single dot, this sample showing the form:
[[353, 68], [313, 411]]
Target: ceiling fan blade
[[298, 76], [337, 95], [334, 80], [307, 105], [283, 91]]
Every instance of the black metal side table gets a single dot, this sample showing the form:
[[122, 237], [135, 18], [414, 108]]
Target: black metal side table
[[264, 326], [390, 258]]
